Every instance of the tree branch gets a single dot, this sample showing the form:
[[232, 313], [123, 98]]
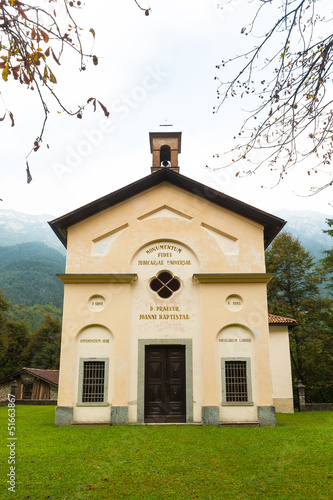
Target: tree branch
[[294, 118]]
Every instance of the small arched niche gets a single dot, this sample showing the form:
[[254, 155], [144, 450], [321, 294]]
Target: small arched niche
[[94, 340]]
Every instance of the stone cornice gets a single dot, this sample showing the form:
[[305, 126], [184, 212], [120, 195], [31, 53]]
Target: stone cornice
[[97, 278], [233, 278]]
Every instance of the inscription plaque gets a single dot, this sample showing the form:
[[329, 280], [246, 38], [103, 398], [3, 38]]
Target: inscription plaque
[[234, 303], [96, 303]]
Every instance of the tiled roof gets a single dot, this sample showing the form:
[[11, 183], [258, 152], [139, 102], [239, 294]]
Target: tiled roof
[[48, 375], [280, 320]]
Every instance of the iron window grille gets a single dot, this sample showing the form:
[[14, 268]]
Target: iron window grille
[[236, 381], [164, 284], [93, 382]]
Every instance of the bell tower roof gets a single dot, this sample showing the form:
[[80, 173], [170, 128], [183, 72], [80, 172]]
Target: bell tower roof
[[165, 147]]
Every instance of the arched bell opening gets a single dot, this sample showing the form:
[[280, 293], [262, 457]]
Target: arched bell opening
[[165, 156]]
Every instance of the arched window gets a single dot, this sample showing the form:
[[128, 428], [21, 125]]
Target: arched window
[[165, 155]]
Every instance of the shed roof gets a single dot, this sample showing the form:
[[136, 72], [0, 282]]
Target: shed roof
[[281, 320], [51, 376], [272, 224], [47, 375]]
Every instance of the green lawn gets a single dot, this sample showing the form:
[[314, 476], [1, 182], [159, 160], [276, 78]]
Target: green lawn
[[292, 460]]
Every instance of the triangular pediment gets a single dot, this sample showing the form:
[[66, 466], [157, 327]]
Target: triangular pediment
[[271, 224], [165, 212]]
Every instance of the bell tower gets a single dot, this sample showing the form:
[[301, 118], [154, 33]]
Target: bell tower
[[165, 147]]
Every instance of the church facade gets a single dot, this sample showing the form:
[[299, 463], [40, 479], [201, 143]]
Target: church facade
[[165, 314]]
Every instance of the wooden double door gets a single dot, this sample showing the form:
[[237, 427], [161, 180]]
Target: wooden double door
[[165, 387]]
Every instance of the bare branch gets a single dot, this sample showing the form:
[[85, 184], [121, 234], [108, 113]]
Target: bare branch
[[143, 8], [293, 120]]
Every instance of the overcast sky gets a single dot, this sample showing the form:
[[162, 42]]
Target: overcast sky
[[151, 69]]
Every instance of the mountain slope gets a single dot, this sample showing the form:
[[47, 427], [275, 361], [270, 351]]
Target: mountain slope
[[16, 227], [308, 227], [27, 274]]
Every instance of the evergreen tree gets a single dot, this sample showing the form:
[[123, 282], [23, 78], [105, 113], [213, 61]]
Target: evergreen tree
[[14, 339], [327, 261], [43, 350], [18, 348], [294, 292], [3, 307]]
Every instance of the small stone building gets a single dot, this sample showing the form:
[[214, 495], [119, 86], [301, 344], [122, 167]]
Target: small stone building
[[31, 385], [165, 306]]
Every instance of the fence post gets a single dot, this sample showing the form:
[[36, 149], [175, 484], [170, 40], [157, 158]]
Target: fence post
[[301, 396]]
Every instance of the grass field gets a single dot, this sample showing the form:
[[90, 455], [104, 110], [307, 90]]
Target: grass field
[[292, 460]]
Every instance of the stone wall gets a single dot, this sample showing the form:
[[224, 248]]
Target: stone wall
[[318, 407], [53, 392], [304, 406], [35, 402], [4, 391]]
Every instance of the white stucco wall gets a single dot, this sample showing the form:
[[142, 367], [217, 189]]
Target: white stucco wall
[[281, 369]]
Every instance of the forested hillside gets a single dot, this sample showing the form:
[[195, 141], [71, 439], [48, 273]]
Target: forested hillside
[[33, 316], [27, 274]]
